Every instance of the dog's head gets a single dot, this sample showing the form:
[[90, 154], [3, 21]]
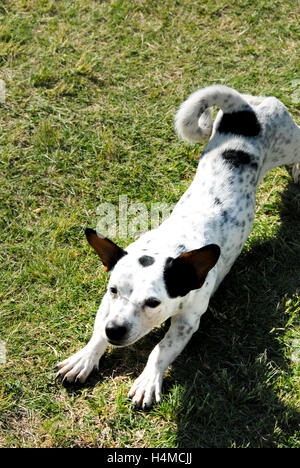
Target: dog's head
[[145, 290]]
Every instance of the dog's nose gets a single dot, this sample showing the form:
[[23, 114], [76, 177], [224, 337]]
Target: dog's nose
[[115, 332]]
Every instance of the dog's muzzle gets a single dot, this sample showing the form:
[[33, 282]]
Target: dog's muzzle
[[116, 333]]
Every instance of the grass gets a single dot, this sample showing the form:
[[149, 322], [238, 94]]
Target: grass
[[92, 88]]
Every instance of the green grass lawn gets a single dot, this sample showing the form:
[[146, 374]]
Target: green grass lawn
[[92, 88]]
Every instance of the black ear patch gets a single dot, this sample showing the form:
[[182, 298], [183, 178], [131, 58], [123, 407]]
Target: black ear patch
[[243, 123], [146, 260], [108, 251], [189, 270], [179, 278]]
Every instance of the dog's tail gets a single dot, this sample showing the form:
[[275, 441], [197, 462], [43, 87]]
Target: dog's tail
[[193, 121]]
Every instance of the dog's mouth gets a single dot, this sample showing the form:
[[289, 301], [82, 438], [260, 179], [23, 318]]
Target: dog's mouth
[[125, 342], [120, 334]]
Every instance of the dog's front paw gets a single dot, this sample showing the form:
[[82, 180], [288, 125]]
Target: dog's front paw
[[78, 366], [146, 387]]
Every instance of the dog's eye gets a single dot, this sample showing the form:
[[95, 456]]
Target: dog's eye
[[113, 290], [152, 302]]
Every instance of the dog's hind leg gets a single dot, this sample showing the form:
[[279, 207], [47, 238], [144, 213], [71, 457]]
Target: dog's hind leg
[[296, 173], [282, 137], [296, 157]]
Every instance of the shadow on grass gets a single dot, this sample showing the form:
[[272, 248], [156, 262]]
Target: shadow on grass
[[226, 374], [228, 369]]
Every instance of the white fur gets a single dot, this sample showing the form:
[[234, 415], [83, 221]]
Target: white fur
[[218, 208]]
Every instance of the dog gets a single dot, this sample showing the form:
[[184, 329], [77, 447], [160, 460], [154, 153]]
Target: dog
[[173, 270]]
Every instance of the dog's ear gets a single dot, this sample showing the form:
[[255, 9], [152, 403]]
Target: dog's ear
[[109, 252], [189, 270]]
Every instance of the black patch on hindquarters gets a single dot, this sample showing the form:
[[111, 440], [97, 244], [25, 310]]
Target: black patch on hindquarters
[[238, 159], [243, 123]]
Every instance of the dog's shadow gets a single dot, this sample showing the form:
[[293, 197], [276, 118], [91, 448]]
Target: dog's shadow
[[233, 372], [222, 387]]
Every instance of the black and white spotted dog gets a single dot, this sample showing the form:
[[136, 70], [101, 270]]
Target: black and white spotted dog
[[172, 271]]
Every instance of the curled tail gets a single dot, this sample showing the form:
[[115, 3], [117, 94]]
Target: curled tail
[[193, 121]]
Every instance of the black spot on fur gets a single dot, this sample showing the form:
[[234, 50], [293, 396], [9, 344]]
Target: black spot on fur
[[180, 249], [243, 123], [225, 216], [238, 159], [202, 108], [217, 201], [146, 260]]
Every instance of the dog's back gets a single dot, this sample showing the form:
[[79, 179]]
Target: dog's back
[[265, 119], [250, 136]]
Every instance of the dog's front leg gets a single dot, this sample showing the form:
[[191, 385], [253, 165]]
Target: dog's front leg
[[148, 385], [78, 367]]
